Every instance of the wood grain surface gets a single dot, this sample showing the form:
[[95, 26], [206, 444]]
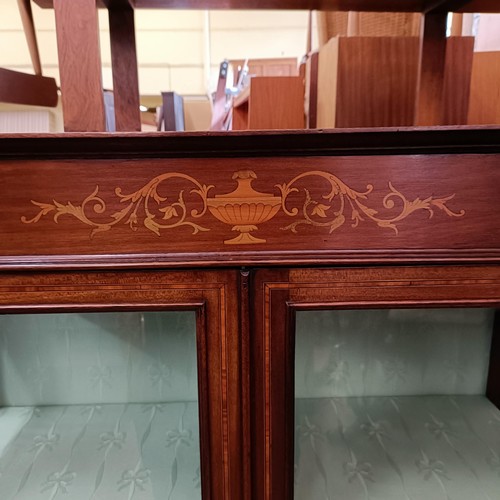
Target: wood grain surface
[[484, 105], [372, 82], [240, 111], [269, 305], [193, 211], [125, 72], [31, 90], [457, 79], [80, 65], [431, 71], [276, 102], [106, 207], [327, 81], [345, 5], [376, 81]]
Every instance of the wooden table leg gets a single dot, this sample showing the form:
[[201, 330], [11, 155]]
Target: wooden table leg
[[457, 24], [29, 31], [125, 74], [457, 79], [80, 65], [429, 103], [353, 23]]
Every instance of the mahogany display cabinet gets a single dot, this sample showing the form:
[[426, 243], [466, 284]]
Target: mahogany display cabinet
[[268, 316]]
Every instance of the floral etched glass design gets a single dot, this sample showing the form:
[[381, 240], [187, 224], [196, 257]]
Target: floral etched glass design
[[390, 405], [99, 406]]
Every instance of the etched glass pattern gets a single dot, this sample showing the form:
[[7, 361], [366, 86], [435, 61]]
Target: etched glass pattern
[[99, 406], [390, 405]]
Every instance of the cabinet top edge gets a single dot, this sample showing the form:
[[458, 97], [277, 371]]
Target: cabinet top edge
[[211, 260], [266, 143]]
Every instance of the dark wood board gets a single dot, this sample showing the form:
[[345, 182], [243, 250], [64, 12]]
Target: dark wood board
[[251, 144], [30, 90]]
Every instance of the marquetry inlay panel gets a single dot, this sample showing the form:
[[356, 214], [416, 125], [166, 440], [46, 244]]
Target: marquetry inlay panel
[[159, 208]]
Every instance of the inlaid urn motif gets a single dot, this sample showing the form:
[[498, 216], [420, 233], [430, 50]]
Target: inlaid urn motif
[[161, 208], [244, 208]]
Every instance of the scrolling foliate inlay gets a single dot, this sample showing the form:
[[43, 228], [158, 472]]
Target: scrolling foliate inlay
[[176, 211], [244, 208], [342, 198]]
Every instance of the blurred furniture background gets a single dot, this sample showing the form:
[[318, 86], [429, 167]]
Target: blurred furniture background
[[390, 63]]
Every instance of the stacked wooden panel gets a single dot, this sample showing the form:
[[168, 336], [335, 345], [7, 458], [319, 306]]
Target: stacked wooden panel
[[373, 82]]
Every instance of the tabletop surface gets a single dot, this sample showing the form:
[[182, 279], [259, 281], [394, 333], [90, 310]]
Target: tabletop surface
[[342, 5]]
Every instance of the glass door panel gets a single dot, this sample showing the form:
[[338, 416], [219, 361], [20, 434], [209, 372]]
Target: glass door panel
[[390, 405], [99, 406]]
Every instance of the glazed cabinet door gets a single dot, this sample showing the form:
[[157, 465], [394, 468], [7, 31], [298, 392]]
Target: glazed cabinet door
[[121, 385], [379, 384]]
